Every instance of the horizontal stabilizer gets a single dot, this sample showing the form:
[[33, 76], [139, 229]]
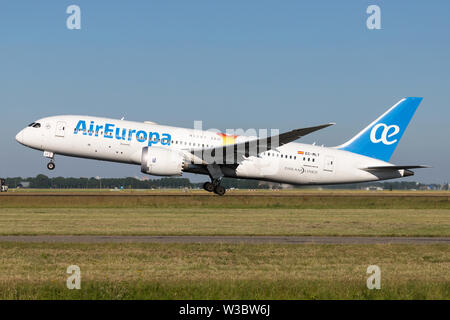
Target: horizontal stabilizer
[[395, 167], [404, 171]]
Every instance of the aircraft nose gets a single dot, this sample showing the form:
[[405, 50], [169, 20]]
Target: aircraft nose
[[19, 137]]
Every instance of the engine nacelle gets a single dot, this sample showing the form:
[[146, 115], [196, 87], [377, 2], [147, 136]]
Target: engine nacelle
[[162, 162]]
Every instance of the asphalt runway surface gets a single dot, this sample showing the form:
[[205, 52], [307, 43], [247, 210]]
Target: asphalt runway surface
[[445, 195], [226, 239]]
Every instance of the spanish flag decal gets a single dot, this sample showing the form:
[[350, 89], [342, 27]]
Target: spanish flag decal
[[300, 152], [227, 139]]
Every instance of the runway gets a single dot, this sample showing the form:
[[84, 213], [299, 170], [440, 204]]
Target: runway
[[226, 239], [199, 194]]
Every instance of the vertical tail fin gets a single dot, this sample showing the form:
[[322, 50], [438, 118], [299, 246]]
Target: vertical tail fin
[[380, 138]]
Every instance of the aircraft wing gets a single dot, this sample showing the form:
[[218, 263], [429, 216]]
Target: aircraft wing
[[235, 153]]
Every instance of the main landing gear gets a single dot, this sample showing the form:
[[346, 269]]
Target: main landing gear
[[214, 187], [51, 165], [216, 175]]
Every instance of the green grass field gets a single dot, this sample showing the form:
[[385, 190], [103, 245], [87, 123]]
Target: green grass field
[[225, 271], [235, 199], [219, 221]]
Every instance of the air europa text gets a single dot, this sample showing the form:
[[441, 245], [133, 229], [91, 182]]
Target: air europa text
[[110, 131]]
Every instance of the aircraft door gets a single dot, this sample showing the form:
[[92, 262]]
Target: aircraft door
[[329, 164], [60, 129]]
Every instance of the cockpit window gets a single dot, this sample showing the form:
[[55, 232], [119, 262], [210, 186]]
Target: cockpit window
[[31, 124], [36, 125]]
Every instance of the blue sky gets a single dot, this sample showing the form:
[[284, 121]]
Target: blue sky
[[233, 64]]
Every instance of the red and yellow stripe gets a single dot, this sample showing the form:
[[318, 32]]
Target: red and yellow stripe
[[227, 138]]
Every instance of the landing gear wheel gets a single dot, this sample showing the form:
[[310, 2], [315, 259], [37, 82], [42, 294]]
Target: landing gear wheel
[[219, 190], [208, 186], [51, 166]]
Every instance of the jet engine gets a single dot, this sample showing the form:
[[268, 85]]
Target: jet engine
[[162, 162]]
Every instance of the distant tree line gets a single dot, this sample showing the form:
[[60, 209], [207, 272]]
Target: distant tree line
[[43, 182]]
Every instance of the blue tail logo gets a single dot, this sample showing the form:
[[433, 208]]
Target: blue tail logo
[[386, 133], [380, 138]]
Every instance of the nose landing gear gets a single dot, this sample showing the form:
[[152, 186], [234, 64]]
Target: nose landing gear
[[51, 165]]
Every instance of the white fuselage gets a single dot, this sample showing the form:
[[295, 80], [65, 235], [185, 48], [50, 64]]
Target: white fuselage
[[123, 141]]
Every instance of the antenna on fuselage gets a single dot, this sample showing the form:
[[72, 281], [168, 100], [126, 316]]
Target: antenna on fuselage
[[122, 118]]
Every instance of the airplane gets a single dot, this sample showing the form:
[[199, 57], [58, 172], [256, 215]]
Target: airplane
[[170, 151]]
